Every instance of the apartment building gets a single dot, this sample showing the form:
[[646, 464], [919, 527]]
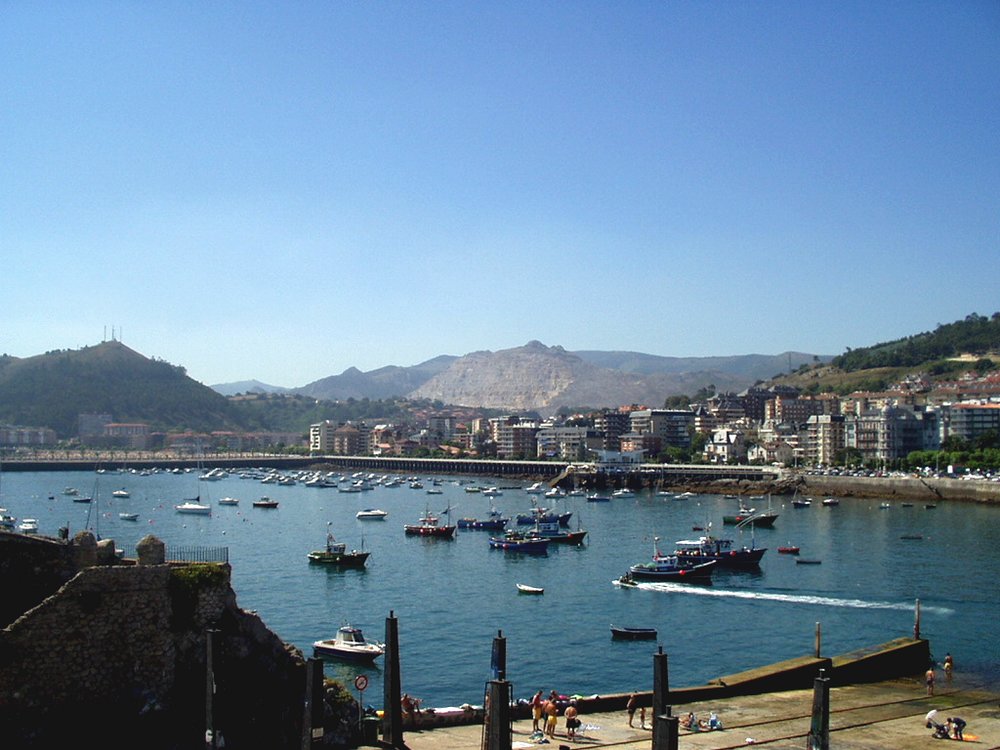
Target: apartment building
[[671, 426]]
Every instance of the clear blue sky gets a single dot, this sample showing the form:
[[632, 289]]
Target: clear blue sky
[[283, 190]]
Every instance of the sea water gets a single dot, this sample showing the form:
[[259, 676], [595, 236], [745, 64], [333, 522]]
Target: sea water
[[453, 597]]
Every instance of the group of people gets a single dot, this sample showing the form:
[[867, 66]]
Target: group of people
[[545, 715], [630, 709], [930, 676], [953, 728], [694, 724]]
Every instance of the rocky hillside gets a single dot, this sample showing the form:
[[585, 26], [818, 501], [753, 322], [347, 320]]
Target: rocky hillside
[[538, 377]]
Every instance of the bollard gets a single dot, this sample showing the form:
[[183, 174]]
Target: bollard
[[392, 719], [497, 726], [819, 729], [661, 683], [666, 730]]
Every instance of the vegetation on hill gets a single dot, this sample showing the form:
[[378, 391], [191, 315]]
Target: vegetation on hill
[[294, 412], [53, 389], [976, 335]]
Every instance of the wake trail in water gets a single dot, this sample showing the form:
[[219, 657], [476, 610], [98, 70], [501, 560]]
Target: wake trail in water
[[823, 601]]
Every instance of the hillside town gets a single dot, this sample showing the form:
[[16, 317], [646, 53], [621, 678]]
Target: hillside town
[[761, 425]]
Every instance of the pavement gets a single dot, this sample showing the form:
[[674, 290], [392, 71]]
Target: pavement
[[879, 716]]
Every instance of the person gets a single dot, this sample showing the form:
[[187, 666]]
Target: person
[[630, 709], [551, 718], [929, 680], [713, 721], [411, 707], [572, 722], [689, 722], [642, 717], [536, 710], [956, 727], [949, 665]]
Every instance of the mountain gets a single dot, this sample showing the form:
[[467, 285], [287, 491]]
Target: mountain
[[53, 389], [384, 382], [247, 386], [537, 377]]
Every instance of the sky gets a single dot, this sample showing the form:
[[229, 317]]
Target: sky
[[282, 190]]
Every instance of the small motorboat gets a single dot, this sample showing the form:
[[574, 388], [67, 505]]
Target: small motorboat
[[28, 526], [129, 516], [788, 549], [349, 644], [598, 498], [912, 536], [120, 493], [523, 588], [265, 502], [371, 514], [807, 561], [632, 634], [336, 553], [930, 506], [229, 501], [830, 501]]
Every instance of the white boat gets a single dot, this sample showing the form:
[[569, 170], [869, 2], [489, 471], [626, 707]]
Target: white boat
[[194, 507], [536, 489], [524, 588], [372, 514], [120, 493], [622, 493], [71, 491], [492, 492], [229, 501], [349, 643], [28, 526], [129, 516], [830, 501]]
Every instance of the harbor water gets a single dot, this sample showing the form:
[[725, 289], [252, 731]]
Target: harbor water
[[452, 597]]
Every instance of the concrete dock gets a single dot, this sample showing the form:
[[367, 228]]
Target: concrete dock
[[878, 716]]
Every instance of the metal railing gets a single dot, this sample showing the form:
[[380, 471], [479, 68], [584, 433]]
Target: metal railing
[[198, 554]]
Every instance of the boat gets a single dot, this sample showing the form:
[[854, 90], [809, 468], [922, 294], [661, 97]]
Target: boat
[[120, 493], [82, 498], [538, 488], [28, 526], [807, 561], [493, 523], [265, 502], [620, 633], [788, 549], [539, 514], [671, 568], [336, 553], [801, 503], [228, 501], [350, 644], [722, 551], [830, 501], [129, 516], [912, 536], [71, 491], [372, 514], [518, 541], [930, 506], [884, 506], [523, 588], [764, 519], [552, 531], [492, 492], [597, 497], [622, 493], [435, 491], [430, 525], [194, 506]]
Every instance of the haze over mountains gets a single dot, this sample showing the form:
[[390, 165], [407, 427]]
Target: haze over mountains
[[539, 377]]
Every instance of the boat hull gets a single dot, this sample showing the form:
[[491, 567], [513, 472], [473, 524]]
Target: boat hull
[[477, 524], [632, 634], [687, 574], [442, 532], [344, 560]]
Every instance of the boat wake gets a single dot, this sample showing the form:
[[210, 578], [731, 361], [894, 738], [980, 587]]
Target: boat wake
[[823, 601]]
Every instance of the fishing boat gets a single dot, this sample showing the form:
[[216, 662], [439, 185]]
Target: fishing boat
[[430, 525], [788, 549], [671, 568], [493, 523], [194, 506], [336, 553], [349, 644], [539, 514], [265, 502], [523, 588], [372, 514], [620, 633], [745, 516], [517, 541], [552, 531], [723, 551]]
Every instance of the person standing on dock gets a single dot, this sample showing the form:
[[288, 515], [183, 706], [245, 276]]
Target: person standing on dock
[[949, 664], [929, 680], [551, 718], [630, 708], [536, 710], [572, 722]]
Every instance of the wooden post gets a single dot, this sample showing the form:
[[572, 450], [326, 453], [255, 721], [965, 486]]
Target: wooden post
[[819, 730], [392, 718], [819, 639], [916, 621], [497, 733], [661, 684], [498, 661], [312, 705], [666, 729]]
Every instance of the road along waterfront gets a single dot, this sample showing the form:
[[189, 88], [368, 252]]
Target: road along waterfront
[[451, 597]]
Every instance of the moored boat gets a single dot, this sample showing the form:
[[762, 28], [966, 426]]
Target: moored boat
[[788, 549], [265, 502], [28, 526], [430, 525], [228, 501], [194, 506], [483, 524], [336, 553], [129, 516], [552, 531], [372, 514], [515, 541], [621, 633], [350, 644], [524, 588]]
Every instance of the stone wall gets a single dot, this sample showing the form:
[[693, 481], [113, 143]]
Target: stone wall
[[119, 652]]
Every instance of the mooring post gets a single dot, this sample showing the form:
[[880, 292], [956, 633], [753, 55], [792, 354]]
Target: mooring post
[[392, 717], [498, 659], [819, 639], [666, 729], [661, 684], [497, 726], [916, 621], [819, 729], [312, 709]]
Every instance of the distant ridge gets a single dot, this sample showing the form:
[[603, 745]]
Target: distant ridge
[[247, 386]]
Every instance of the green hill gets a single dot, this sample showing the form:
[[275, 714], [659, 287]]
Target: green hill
[[54, 388]]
